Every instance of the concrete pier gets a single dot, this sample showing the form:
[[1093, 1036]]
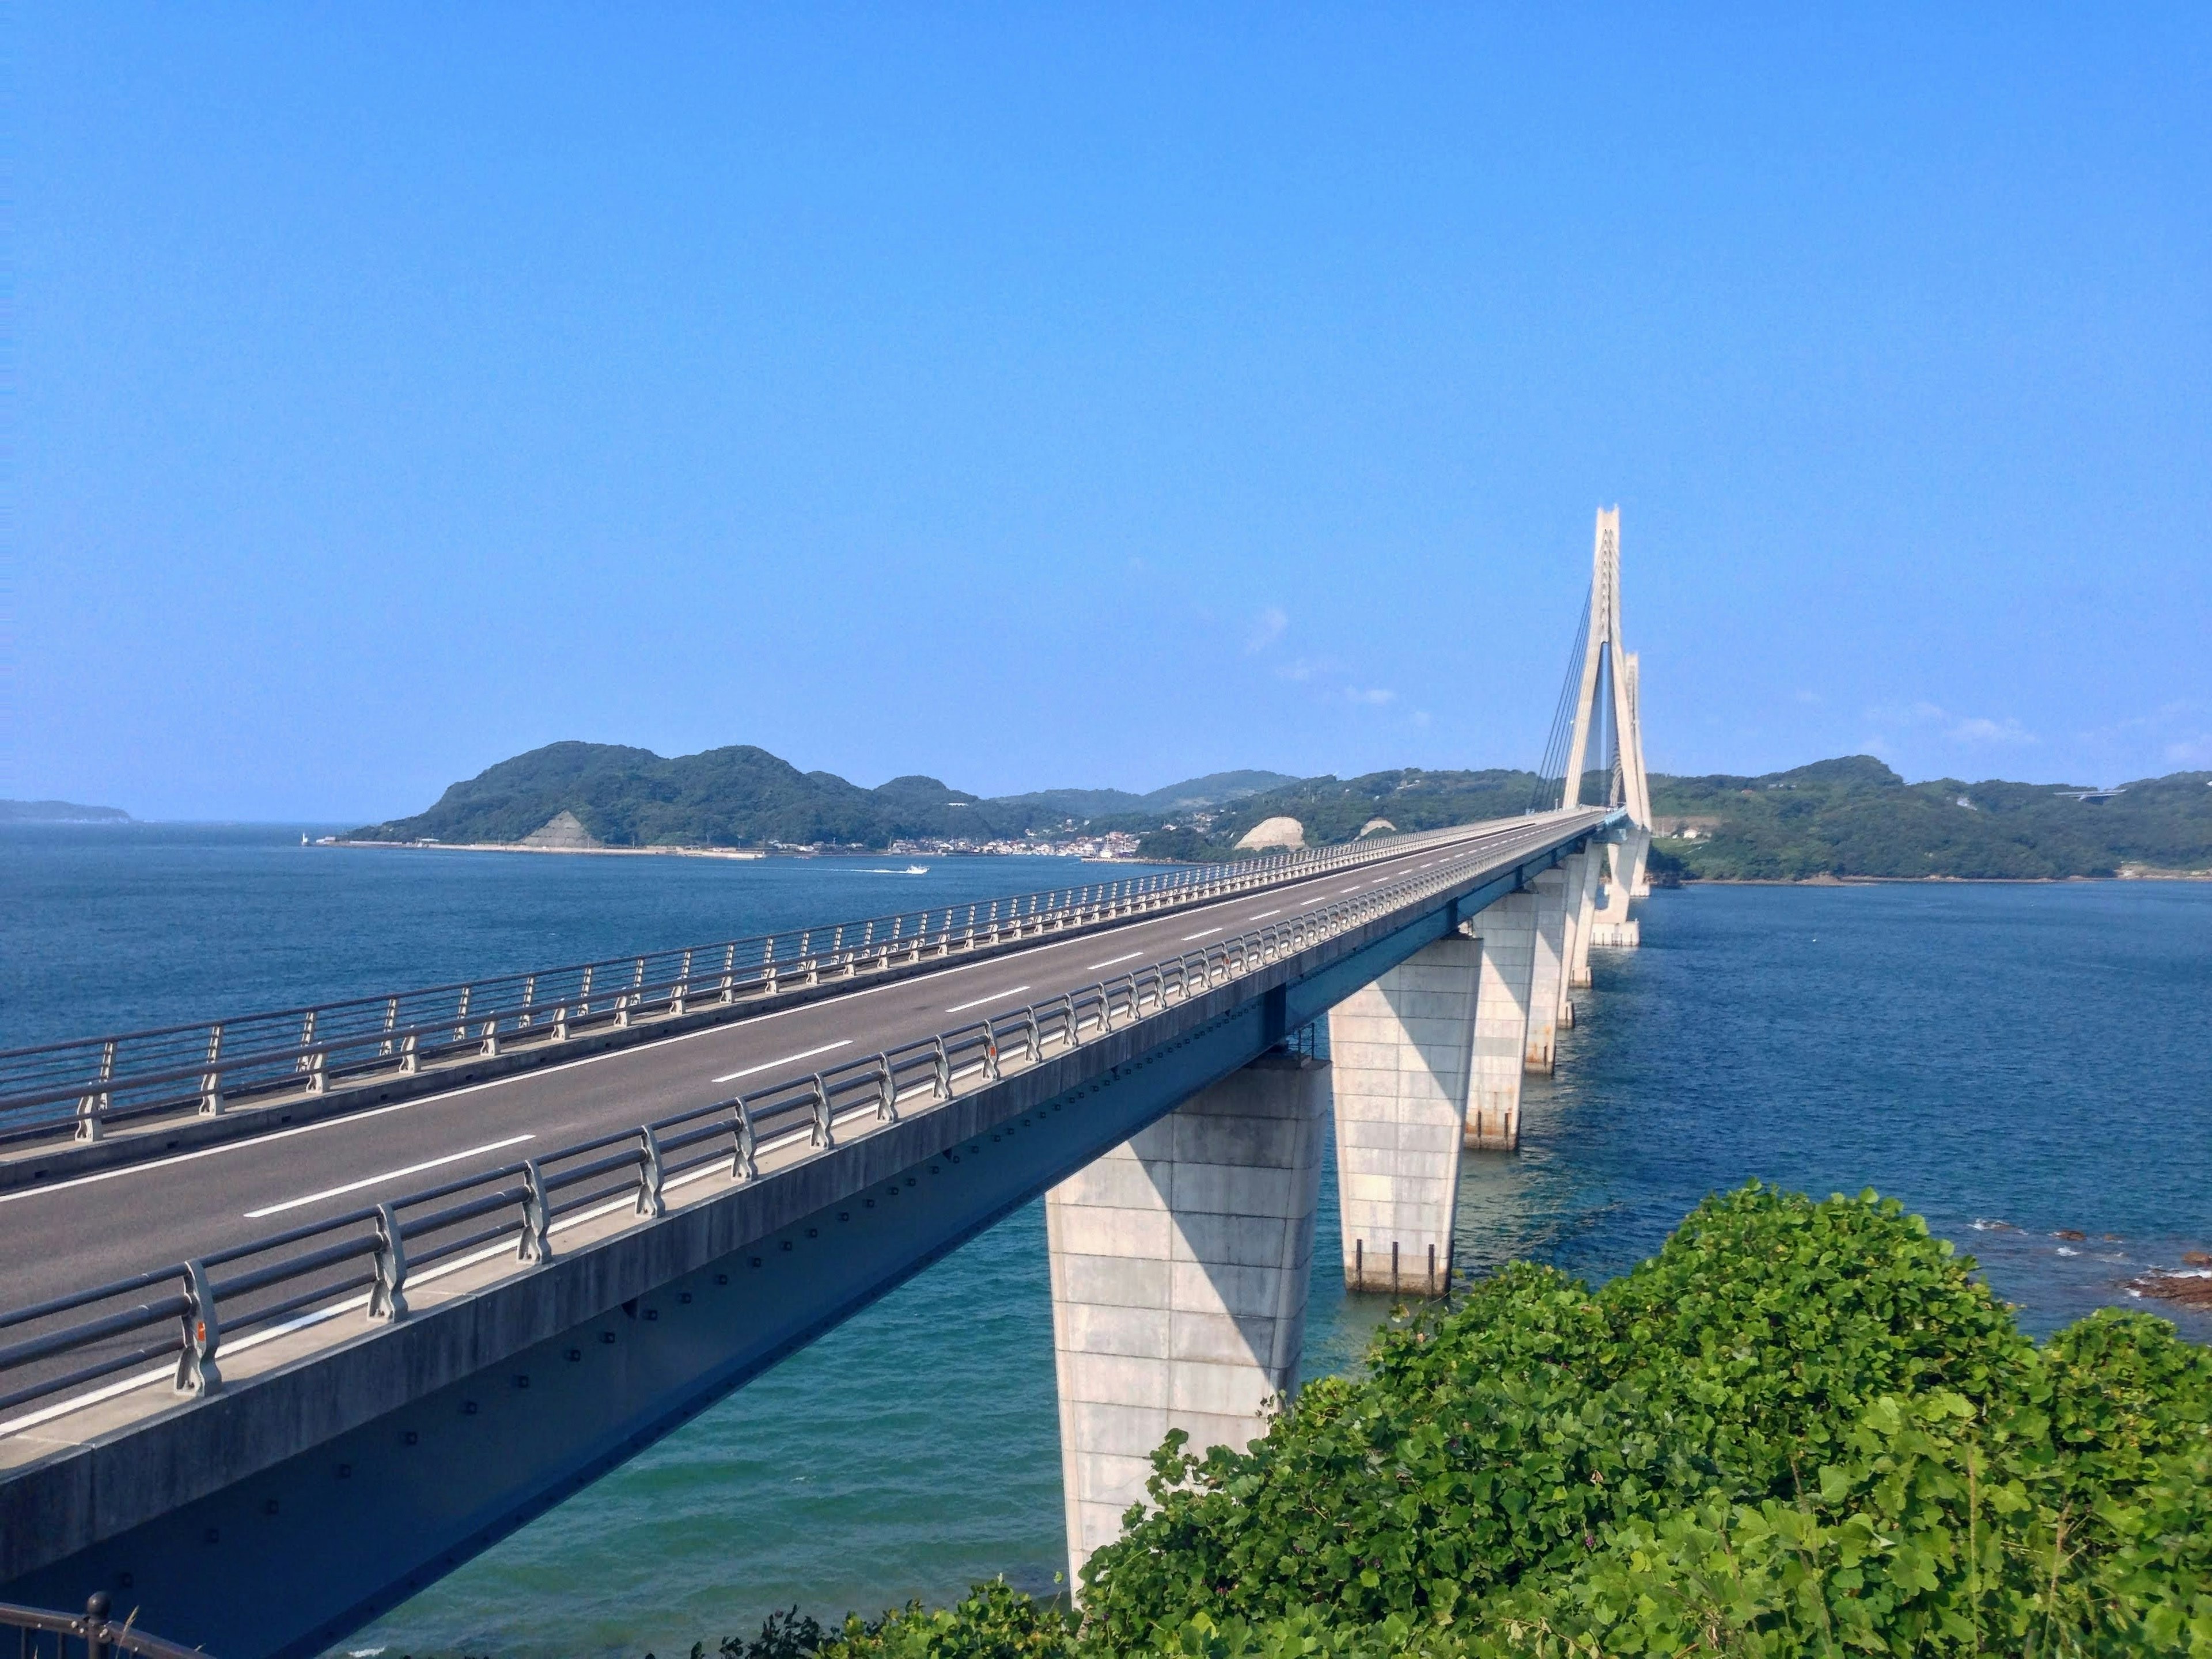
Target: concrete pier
[[1403, 1049], [1613, 928], [1571, 944], [1180, 1263], [1507, 932], [1578, 973], [1548, 980]]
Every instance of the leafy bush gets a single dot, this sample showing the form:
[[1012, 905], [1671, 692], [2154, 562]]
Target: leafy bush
[[1801, 1429]]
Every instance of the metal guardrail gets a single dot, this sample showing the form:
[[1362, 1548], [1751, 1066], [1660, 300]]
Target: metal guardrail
[[367, 1258], [83, 1087], [42, 1634]]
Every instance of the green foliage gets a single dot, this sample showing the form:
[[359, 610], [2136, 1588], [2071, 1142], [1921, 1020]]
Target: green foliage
[[743, 796], [1856, 817], [1800, 1428]]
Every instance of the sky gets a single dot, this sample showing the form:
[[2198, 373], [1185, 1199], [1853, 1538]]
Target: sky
[[1095, 395]]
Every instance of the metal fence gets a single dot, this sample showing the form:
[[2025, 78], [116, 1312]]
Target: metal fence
[[365, 1260], [42, 1634], [83, 1087]]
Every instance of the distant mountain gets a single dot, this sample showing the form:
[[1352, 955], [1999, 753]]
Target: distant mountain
[[1214, 789], [1855, 816], [1851, 817], [743, 796], [59, 811]]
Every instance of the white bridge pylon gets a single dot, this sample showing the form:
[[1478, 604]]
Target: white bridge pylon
[[1606, 701]]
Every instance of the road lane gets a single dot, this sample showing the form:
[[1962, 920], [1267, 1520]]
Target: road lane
[[72, 1234]]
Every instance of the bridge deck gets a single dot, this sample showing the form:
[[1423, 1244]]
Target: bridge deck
[[63, 1236]]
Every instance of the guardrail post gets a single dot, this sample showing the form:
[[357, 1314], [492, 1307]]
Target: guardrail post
[[319, 1071], [1036, 1036], [990, 1054], [824, 1131], [491, 1035], [202, 1334], [536, 1243], [461, 1016], [944, 1072], [92, 1108], [730, 974], [682, 986], [886, 1090], [743, 1165], [649, 1175], [386, 1297], [212, 1079], [96, 1606]]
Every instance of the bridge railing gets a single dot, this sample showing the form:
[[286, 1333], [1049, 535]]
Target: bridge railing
[[85, 1086], [42, 1633], [366, 1260]]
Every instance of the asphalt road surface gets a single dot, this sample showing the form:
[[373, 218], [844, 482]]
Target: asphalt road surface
[[77, 1233]]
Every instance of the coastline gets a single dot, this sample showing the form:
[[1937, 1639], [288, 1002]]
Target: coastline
[[1830, 880]]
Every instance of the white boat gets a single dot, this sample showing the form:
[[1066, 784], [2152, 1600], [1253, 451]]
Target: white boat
[[917, 869]]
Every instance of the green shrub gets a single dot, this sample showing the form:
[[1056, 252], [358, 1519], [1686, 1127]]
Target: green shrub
[[1800, 1428]]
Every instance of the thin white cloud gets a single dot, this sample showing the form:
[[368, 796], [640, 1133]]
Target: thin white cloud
[[1978, 729], [1374, 696], [1267, 628]]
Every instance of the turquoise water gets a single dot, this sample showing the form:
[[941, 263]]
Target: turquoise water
[[2010, 1060]]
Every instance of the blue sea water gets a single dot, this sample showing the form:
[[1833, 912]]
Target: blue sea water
[[2012, 1062]]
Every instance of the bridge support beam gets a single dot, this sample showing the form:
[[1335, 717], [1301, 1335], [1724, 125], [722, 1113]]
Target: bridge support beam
[[1504, 999], [1548, 980], [1179, 1264], [1403, 1050], [1574, 926], [1613, 927], [1578, 975]]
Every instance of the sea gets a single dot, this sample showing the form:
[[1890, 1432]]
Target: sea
[[2018, 1063]]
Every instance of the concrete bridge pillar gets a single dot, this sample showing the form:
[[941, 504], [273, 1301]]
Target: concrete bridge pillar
[[1612, 926], [1402, 1049], [1180, 1263], [1578, 975], [1508, 933], [1548, 981], [1571, 929]]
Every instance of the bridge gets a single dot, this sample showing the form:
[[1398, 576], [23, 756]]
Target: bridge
[[304, 1310]]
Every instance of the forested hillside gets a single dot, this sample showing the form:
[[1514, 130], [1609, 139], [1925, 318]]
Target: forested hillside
[[742, 796], [1856, 817], [1852, 816]]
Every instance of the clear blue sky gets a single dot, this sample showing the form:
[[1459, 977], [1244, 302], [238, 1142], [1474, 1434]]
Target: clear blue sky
[[1049, 395]]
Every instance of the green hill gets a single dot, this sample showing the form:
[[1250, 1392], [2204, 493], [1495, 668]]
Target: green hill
[[742, 796], [1856, 817], [1852, 816]]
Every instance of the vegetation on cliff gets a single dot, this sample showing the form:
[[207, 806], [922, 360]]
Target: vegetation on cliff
[[742, 796], [1856, 817], [1852, 816], [1801, 1429]]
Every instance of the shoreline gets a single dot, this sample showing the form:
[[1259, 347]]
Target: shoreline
[[740, 854], [1954, 881]]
